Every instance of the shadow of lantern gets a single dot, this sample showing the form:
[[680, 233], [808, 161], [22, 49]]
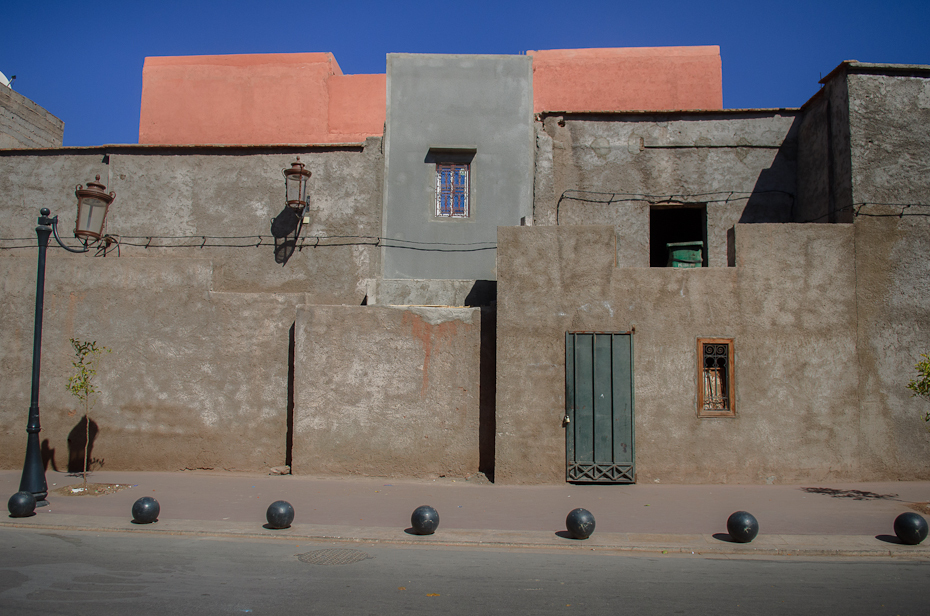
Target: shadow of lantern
[[285, 227]]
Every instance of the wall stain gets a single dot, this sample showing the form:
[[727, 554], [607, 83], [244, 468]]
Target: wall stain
[[429, 335]]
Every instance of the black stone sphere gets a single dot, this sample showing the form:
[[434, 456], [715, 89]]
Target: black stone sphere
[[424, 520], [742, 526], [580, 523], [23, 505], [145, 510], [911, 528], [280, 514]]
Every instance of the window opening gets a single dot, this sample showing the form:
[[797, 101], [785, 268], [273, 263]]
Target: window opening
[[715, 378], [452, 180], [685, 226]]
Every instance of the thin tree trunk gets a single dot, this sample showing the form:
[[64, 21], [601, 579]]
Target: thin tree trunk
[[86, 442]]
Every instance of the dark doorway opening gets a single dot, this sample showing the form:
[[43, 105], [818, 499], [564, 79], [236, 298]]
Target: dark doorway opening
[[675, 223]]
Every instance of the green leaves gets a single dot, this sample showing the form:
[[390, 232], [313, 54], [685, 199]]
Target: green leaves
[[81, 383], [921, 385]]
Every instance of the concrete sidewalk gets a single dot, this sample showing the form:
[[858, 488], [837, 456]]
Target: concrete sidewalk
[[818, 519]]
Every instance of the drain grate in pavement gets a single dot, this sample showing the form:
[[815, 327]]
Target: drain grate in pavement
[[333, 556]]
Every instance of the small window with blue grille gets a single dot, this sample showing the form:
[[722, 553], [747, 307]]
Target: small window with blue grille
[[452, 187]]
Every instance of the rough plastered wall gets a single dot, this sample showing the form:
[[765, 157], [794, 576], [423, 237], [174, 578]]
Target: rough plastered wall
[[609, 169], [824, 164], [789, 305], [200, 321], [889, 111], [24, 124], [387, 391]]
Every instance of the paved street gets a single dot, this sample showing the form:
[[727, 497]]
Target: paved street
[[66, 572]]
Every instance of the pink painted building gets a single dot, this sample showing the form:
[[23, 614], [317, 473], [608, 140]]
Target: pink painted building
[[304, 98]]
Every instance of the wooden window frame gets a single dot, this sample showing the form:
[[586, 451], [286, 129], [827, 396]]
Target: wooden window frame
[[730, 411]]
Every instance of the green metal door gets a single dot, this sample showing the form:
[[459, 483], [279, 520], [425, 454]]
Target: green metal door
[[599, 407]]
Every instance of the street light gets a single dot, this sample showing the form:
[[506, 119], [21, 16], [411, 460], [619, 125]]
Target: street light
[[295, 180], [93, 204]]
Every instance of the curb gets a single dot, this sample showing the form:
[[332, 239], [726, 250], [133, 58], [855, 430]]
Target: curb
[[800, 546]]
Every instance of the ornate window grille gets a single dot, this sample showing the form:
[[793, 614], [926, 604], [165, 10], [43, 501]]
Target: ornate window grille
[[452, 181], [715, 378]]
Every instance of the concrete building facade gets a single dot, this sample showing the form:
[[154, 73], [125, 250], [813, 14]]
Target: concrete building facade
[[365, 355]]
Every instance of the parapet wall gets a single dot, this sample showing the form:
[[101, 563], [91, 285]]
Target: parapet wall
[[627, 79], [258, 99], [24, 124]]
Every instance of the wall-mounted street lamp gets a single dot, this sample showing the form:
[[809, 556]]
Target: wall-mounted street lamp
[[93, 204], [285, 227], [295, 180]]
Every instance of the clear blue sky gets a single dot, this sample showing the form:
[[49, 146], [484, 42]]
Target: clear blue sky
[[82, 60]]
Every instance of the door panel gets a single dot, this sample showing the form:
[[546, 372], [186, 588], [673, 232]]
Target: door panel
[[599, 442]]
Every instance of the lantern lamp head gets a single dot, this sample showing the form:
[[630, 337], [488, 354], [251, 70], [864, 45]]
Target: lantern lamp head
[[93, 204], [295, 181]]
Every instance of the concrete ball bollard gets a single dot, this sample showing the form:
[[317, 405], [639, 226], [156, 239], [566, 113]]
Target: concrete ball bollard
[[145, 510], [22, 505], [280, 514], [580, 523], [424, 520], [742, 526], [911, 528]]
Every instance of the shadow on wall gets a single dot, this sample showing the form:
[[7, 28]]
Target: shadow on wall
[[79, 435], [483, 295], [48, 456], [774, 195]]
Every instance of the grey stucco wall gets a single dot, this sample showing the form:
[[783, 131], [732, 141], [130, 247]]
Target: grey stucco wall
[[216, 203], [24, 124], [789, 304], [195, 378], [476, 102], [199, 374], [609, 169], [387, 391], [889, 123], [824, 160]]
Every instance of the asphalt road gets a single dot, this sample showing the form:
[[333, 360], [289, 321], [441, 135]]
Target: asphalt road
[[64, 572]]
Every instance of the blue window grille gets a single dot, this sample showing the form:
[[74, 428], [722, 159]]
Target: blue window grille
[[452, 190]]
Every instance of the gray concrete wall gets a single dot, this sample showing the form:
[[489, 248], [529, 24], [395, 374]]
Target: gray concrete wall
[[824, 162], [216, 203], [24, 124], [387, 391], [789, 304], [889, 121], [195, 378], [475, 102], [609, 169], [199, 321]]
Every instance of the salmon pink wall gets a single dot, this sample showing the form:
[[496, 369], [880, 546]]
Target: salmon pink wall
[[357, 104], [627, 79], [257, 99], [304, 97]]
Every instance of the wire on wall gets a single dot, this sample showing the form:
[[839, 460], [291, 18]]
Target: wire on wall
[[258, 241], [865, 208]]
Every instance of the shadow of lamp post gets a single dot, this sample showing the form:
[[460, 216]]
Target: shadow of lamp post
[[285, 227], [93, 204]]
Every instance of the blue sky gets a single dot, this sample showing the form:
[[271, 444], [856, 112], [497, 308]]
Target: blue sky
[[83, 60]]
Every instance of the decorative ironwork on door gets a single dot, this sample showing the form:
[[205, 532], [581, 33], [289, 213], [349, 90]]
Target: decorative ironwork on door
[[599, 435]]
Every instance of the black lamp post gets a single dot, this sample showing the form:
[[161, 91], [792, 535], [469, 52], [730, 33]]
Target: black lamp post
[[93, 203]]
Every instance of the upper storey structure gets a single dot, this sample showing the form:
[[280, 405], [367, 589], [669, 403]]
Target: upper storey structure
[[304, 97], [257, 99]]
